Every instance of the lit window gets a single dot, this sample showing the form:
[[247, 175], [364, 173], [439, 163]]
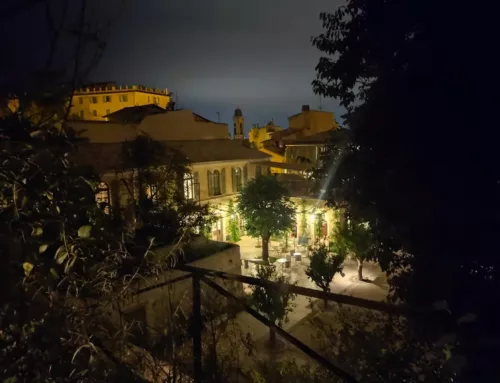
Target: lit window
[[237, 179], [94, 113], [124, 98], [188, 187], [106, 98], [153, 192], [102, 196], [214, 183], [93, 100]]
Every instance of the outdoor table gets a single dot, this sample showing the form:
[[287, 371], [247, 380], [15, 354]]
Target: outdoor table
[[284, 262]]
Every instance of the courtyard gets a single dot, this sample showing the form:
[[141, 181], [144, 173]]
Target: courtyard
[[373, 287]]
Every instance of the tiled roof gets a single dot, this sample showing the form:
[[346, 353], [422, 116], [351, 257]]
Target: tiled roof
[[107, 156], [216, 150], [318, 138]]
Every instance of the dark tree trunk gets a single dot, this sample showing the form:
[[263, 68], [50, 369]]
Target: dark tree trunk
[[265, 249], [360, 270]]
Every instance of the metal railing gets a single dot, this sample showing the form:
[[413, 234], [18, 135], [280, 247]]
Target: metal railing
[[206, 276]]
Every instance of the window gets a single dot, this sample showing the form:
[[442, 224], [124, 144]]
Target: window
[[108, 111], [106, 99], [196, 184], [223, 181], [237, 178], [153, 192], [82, 114], [245, 174], [124, 98], [102, 196], [93, 100], [188, 187], [214, 183], [80, 100], [258, 171], [94, 113]]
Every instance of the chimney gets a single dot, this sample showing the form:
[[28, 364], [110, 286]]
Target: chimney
[[305, 108]]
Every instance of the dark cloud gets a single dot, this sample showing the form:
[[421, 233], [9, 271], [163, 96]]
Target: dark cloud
[[214, 54], [218, 54]]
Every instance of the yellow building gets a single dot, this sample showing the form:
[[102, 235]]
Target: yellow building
[[220, 168], [96, 102], [259, 134], [309, 122]]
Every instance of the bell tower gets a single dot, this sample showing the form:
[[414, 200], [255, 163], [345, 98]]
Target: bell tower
[[238, 124]]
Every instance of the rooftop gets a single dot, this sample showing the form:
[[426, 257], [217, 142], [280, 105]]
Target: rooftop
[[134, 113], [113, 87], [107, 156]]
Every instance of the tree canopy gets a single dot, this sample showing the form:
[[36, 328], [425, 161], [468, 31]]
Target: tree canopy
[[266, 208], [418, 161], [67, 261]]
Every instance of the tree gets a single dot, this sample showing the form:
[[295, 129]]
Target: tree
[[304, 227], [426, 190], [318, 225], [274, 304], [323, 267], [357, 241], [63, 261], [266, 208], [159, 206], [234, 229]]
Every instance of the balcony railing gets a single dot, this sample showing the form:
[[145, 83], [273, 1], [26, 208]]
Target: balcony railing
[[206, 276]]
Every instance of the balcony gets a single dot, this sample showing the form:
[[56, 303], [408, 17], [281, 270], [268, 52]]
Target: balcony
[[299, 186]]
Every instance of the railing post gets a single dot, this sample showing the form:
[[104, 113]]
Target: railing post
[[197, 369]]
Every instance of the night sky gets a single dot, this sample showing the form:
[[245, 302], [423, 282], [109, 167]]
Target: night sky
[[218, 54]]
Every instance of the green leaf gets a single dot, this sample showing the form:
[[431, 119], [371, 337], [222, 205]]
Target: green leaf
[[27, 268], [54, 273], [61, 255], [42, 248], [37, 231], [84, 231]]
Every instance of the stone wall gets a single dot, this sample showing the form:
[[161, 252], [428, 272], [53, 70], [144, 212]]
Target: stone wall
[[156, 303]]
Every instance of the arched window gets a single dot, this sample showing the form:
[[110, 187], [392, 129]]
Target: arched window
[[188, 187], [237, 178], [210, 180], [196, 186], [216, 183], [102, 195], [153, 192]]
